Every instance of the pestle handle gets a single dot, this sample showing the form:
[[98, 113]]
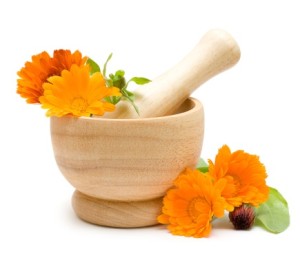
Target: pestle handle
[[216, 52]]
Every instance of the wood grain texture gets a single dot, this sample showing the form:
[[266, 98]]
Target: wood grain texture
[[128, 159], [216, 52], [116, 213]]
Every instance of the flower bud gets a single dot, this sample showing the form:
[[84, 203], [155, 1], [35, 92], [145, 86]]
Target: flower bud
[[242, 217]]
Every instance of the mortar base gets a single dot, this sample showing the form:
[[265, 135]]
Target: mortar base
[[122, 214]]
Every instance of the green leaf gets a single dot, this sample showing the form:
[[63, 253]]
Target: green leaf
[[129, 96], [120, 73], [113, 99], [116, 99], [202, 166], [273, 215], [118, 81], [105, 64], [139, 80], [94, 66]]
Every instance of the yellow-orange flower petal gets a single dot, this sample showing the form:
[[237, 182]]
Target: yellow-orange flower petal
[[189, 207], [77, 93], [245, 176], [35, 73]]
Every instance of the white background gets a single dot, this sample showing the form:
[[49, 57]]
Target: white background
[[254, 106]]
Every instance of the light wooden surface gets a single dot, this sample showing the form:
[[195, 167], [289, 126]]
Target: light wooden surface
[[216, 52], [116, 213]]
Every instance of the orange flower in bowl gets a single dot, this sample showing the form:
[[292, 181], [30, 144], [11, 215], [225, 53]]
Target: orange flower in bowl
[[77, 93], [245, 176]]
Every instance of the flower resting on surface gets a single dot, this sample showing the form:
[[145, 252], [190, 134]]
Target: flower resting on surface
[[245, 176], [35, 73], [235, 182], [77, 93], [189, 207]]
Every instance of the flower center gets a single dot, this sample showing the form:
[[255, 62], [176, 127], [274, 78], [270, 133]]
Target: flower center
[[79, 105], [197, 208]]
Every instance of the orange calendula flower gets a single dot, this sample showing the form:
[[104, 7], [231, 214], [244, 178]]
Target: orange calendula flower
[[77, 93], [64, 59], [35, 73], [245, 176], [189, 207]]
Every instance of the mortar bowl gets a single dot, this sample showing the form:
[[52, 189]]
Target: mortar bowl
[[121, 168]]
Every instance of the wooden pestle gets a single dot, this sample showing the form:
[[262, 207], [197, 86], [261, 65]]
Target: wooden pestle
[[216, 52]]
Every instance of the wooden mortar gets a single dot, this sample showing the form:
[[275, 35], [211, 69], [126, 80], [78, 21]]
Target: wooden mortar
[[121, 167]]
